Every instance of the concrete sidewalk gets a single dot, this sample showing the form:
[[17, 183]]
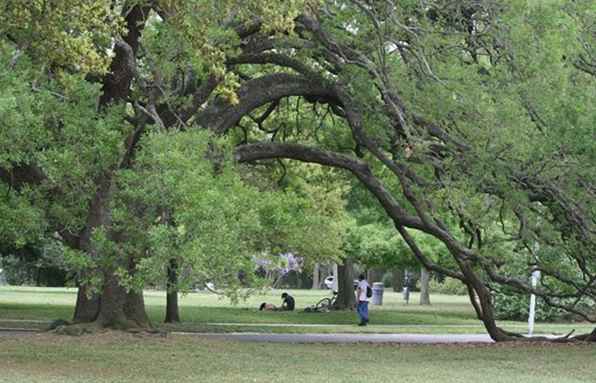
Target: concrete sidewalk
[[327, 325], [17, 331], [348, 338], [314, 338]]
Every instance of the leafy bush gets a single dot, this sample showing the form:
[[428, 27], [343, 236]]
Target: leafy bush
[[16, 271], [514, 306], [449, 286], [41, 265]]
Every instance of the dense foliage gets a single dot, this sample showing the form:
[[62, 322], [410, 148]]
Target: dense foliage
[[470, 123]]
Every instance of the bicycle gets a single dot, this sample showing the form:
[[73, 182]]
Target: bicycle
[[324, 305]]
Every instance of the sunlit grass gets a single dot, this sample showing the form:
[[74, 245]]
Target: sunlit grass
[[204, 311]]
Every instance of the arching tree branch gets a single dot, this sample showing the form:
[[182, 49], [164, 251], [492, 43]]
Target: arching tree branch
[[221, 116], [261, 151]]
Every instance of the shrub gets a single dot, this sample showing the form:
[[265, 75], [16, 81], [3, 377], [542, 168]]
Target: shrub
[[16, 271], [449, 286], [515, 306], [41, 265]]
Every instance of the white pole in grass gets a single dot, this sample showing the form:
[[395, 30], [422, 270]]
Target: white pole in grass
[[532, 315]]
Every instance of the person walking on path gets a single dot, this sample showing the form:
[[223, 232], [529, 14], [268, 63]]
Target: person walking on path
[[362, 300]]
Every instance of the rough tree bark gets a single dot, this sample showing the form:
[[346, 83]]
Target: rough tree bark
[[134, 309], [172, 311], [119, 308], [316, 277], [345, 294], [87, 307], [113, 300], [115, 307], [424, 286]]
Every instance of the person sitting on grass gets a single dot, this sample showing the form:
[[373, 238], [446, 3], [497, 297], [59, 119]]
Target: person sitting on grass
[[288, 302], [267, 307]]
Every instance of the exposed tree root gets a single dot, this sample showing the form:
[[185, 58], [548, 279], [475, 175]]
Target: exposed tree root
[[63, 327], [591, 337], [79, 329], [508, 336]]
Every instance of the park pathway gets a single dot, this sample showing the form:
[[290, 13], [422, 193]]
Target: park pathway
[[349, 338], [314, 338]]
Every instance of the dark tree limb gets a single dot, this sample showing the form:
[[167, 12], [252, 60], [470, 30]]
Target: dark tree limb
[[221, 116]]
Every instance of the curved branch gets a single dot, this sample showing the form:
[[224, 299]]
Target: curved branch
[[274, 58], [261, 151], [221, 116]]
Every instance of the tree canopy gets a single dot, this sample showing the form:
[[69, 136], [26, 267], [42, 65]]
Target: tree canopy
[[471, 122]]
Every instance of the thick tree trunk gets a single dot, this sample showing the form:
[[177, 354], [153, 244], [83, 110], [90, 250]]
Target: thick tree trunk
[[135, 310], [86, 308], [397, 280], [474, 301], [113, 300], [375, 275], [591, 337], [305, 280], [172, 312], [316, 277], [115, 305], [120, 309], [424, 286], [345, 294], [481, 300]]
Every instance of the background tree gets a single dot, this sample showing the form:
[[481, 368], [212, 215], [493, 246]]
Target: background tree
[[73, 117], [453, 121]]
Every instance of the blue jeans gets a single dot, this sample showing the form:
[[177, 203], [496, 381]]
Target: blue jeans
[[362, 310]]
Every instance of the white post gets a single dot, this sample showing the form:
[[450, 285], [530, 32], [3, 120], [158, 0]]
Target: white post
[[532, 315]]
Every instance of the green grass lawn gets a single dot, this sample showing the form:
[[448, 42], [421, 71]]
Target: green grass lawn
[[203, 311], [124, 358]]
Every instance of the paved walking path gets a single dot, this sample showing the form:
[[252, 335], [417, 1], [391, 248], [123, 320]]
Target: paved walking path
[[350, 338], [25, 320], [16, 331], [339, 325], [316, 338]]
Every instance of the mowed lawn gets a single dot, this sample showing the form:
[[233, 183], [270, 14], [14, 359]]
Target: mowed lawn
[[125, 358], [204, 311]]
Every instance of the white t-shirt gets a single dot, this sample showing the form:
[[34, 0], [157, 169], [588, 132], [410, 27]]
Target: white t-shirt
[[362, 285]]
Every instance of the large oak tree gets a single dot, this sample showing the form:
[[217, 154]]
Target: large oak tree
[[468, 121]]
